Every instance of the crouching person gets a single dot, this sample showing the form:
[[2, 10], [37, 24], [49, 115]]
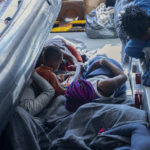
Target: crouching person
[[135, 22], [32, 103]]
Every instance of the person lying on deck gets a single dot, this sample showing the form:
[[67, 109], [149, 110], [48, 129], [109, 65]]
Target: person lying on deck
[[104, 78], [135, 22], [32, 103]]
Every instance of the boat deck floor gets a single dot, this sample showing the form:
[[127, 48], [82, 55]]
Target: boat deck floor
[[110, 47]]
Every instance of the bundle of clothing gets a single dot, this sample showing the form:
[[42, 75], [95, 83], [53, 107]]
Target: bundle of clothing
[[99, 23]]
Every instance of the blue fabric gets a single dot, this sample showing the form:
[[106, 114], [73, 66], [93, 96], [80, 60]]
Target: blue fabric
[[146, 77], [140, 135], [123, 148], [144, 5], [104, 71], [134, 47]]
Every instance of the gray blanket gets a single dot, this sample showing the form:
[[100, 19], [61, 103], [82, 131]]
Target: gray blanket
[[62, 130], [78, 130]]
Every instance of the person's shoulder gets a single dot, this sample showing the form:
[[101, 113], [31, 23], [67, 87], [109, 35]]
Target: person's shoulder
[[46, 73], [136, 41], [43, 71], [134, 47], [135, 44]]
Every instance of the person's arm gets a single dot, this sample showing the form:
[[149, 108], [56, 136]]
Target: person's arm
[[109, 85], [79, 71], [93, 67], [59, 90], [52, 79], [134, 48], [35, 105]]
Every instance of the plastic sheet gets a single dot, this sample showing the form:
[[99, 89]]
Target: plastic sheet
[[100, 23]]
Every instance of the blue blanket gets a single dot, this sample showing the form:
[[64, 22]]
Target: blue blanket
[[104, 71]]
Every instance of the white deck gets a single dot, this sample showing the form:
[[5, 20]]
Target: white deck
[[110, 47]]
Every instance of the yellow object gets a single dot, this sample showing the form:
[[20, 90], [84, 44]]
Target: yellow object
[[68, 26], [74, 22], [78, 22], [61, 29]]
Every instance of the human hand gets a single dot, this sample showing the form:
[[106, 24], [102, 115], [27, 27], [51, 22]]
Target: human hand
[[102, 61], [61, 77], [72, 67]]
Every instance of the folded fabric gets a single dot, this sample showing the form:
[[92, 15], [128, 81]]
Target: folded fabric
[[146, 77]]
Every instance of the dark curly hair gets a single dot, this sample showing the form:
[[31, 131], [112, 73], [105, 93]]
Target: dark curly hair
[[110, 3], [135, 22], [51, 54]]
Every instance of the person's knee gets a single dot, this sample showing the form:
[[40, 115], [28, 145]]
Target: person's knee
[[60, 98]]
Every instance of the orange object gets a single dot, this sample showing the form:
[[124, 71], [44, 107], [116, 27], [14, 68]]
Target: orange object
[[46, 72], [75, 53]]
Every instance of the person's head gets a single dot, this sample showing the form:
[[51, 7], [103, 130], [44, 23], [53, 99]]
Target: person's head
[[7, 20], [135, 23], [52, 57], [78, 93]]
